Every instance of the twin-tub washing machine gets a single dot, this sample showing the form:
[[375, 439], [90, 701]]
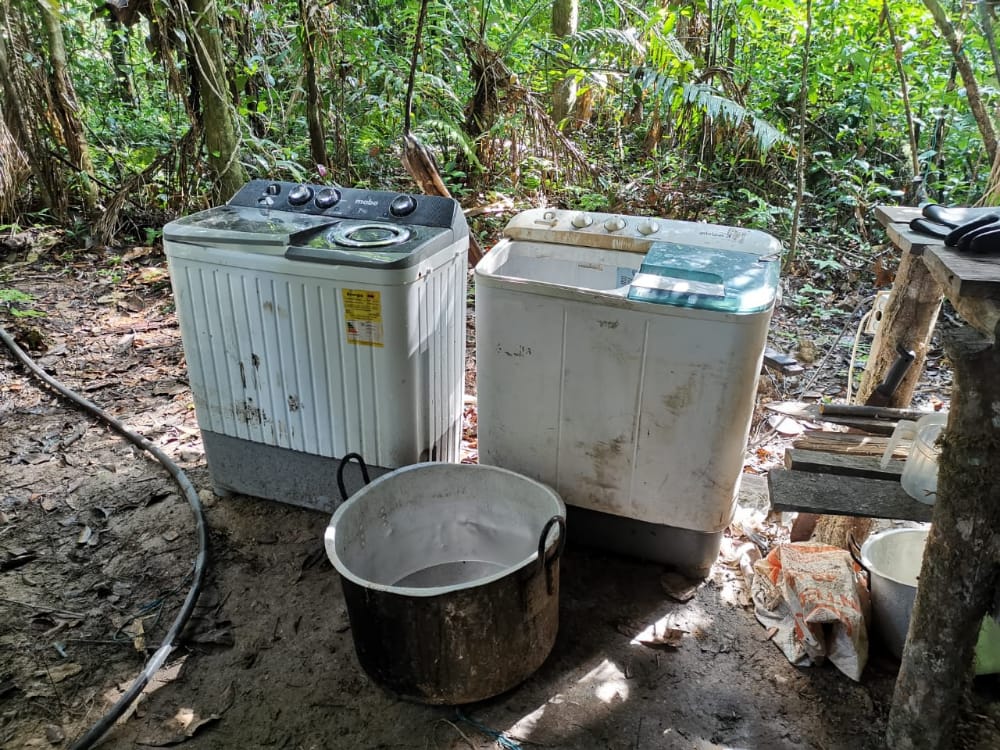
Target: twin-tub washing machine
[[617, 361], [318, 322], [617, 356]]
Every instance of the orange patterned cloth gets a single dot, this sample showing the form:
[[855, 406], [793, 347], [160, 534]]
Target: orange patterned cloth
[[815, 598]]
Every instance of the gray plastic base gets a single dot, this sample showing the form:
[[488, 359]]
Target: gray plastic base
[[689, 552], [288, 476]]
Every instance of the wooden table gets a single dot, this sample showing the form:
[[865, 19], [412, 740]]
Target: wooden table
[[960, 575], [970, 282], [929, 272]]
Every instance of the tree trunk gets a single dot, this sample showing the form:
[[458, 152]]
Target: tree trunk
[[908, 319], [13, 167], [25, 105], [314, 99], [959, 575], [565, 16], [65, 108], [119, 61], [218, 115], [976, 104]]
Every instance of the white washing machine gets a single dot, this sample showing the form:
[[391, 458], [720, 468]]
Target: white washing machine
[[617, 361], [316, 322]]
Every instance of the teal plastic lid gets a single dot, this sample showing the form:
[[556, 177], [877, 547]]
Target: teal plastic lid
[[706, 278]]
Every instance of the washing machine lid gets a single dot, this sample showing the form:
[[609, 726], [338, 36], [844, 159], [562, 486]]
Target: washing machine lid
[[242, 225], [369, 243], [706, 278]]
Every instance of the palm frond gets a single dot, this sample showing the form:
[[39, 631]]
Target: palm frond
[[705, 99], [605, 39]]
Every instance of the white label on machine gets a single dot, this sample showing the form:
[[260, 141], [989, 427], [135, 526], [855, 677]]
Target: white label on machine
[[363, 317]]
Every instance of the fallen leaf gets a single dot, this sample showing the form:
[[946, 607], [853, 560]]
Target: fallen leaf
[[60, 672], [669, 637], [152, 275], [54, 734], [195, 724], [138, 633], [85, 536]]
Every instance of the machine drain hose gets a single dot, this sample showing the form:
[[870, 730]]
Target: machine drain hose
[[92, 735]]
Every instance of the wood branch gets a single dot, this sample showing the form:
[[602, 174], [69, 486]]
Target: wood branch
[[871, 412], [959, 577], [420, 164], [858, 420]]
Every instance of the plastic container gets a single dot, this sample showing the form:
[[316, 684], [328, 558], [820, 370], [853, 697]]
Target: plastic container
[[919, 477], [451, 577], [633, 399], [893, 559]]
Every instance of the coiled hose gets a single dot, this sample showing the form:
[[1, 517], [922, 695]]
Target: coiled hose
[[99, 728]]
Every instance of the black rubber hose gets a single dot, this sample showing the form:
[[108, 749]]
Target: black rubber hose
[[201, 561]]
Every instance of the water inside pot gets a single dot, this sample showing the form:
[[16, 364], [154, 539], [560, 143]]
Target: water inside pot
[[450, 573]]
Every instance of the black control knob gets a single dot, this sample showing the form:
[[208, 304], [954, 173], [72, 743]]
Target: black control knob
[[403, 205], [327, 197], [300, 195], [273, 189]]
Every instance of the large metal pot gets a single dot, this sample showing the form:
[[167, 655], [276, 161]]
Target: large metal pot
[[451, 577], [893, 559]]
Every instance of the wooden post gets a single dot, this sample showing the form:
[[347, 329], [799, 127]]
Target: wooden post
[[960, 571], [909, 319]]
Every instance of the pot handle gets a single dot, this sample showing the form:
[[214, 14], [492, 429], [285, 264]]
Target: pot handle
[[855, 551], [556, 553], [340, 472]]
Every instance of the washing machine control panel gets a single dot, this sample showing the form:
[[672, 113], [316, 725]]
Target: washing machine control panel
[[630, 233], [348, 203]]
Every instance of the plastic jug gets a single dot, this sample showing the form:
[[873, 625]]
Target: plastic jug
[[920, 471]]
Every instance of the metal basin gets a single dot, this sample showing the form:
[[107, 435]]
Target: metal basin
[[448, 570]]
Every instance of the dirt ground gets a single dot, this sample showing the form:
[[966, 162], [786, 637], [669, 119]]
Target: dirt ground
[[97, 544]]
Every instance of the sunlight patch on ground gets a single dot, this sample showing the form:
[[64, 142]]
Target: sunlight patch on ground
[[606, 682]]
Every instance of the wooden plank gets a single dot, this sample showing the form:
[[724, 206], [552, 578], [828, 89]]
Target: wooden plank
[[971, 283], [908, 241], [845, 442], [904, 214], [842, 464], [964, 274], [896, 214], [843, 496], [961, 274]]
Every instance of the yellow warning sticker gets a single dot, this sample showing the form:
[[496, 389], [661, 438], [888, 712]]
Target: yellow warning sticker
[[363, 317]]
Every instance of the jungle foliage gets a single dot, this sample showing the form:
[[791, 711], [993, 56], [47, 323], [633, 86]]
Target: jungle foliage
[[119, 115]]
